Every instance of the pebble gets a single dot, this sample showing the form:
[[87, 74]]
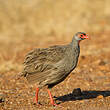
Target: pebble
[[101, 63], [77, 92], [2, 97], [100, 96], [83, 57]]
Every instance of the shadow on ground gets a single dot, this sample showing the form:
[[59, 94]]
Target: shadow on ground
[[77, 94]]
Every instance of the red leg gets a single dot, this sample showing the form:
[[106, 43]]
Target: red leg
[[37, 91], [51, 99]]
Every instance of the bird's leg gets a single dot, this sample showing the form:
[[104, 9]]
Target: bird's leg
[[37, 91], [36, 96], [51, 99]]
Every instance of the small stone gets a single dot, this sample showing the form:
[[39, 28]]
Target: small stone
[[100, 96], [91, 69], [101, 63], [82, 101], [77, 92], [2, 97], [11, 102], [83, 57]]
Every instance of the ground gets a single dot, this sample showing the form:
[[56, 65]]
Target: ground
[[92, 74]]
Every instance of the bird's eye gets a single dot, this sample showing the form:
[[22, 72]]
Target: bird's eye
[[81, 35]]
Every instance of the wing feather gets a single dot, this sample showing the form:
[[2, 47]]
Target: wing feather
[[39, 63]]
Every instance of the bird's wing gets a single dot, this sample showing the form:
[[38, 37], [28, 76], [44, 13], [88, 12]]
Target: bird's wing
[[42, 60]]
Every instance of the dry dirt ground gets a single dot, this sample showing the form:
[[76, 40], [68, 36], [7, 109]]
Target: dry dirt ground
[[92, 76], [20, 32]]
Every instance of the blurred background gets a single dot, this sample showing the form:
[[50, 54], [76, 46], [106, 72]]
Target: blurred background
[[28, 24], [25, 24]]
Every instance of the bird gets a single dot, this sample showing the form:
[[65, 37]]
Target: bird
[[50, 66]]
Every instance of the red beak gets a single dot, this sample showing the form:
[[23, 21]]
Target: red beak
[[86, 36]]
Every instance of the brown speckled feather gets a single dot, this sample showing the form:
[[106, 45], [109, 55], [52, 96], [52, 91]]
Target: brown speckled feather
[[39, 63]]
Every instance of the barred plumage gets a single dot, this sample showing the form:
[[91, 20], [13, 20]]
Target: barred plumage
[[50, 66]]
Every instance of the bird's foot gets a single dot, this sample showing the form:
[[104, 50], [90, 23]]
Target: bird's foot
[[56, 105], [36, 102]]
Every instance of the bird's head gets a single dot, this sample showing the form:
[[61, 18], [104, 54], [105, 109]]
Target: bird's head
[[81, 36]]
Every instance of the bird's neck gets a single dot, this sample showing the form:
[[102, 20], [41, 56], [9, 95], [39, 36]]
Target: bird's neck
[[75, 43]]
